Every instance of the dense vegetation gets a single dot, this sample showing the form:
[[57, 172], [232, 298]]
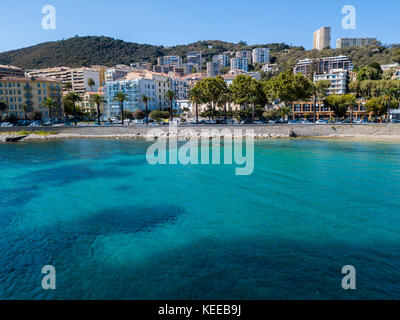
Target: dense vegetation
[[87, 51], [253, 96]]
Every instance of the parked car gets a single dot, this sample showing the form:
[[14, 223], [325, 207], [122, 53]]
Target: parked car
[[358, 121], [34, 124], [321, 121], [272, 121], [306, 122], [293, 122], [7, 125], [395, 121]]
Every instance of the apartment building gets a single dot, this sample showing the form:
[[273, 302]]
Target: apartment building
[[102, 73], [388, 67], [240, 64], [355, 42], [261, 55], [134, 88], [212, 69], [117, 72], [89, 107], [141, 65], [195, 57], [222, 60], [322, 38], [180, 87], [188, 68], [339, 81], [270, 67], [168, 69], [323, 65], [170, 61], [77, 77], [11, 71], [245, 54], [32, 92]]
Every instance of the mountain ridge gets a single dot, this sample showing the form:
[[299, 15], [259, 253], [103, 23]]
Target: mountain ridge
[[100, 50]]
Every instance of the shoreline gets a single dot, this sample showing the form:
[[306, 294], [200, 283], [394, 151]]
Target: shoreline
[[372, 132], [62, 136]]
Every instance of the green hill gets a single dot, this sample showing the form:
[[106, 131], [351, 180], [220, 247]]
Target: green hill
[[93, 50], [87, 51]]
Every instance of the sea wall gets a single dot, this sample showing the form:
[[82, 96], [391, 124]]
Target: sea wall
[[308, 130]]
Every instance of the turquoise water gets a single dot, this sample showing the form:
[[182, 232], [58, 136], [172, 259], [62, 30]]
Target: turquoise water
[[115, 227]]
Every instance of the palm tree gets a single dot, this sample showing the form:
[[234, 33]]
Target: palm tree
[[91, 84], [170, 95], [284, 111], [50, 104], [145, 99], [3, 107], [74, 98], [196, 97], [389, 95], [121, 97], [25, 108], [97, 99]]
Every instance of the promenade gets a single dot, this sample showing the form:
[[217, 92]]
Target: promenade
[[352, 131]]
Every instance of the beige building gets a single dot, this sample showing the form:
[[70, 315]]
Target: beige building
[[11, 71], [19, 91], [77, 77], [355, 42], [322, 38], [87, 105]]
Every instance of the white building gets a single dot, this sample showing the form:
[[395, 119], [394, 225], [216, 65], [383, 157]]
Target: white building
[[134, 88], [388, 67], [240, 64], [270, 67], [261, 55], [339, 79]]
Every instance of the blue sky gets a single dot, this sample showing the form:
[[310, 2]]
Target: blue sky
[[171, 22]]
